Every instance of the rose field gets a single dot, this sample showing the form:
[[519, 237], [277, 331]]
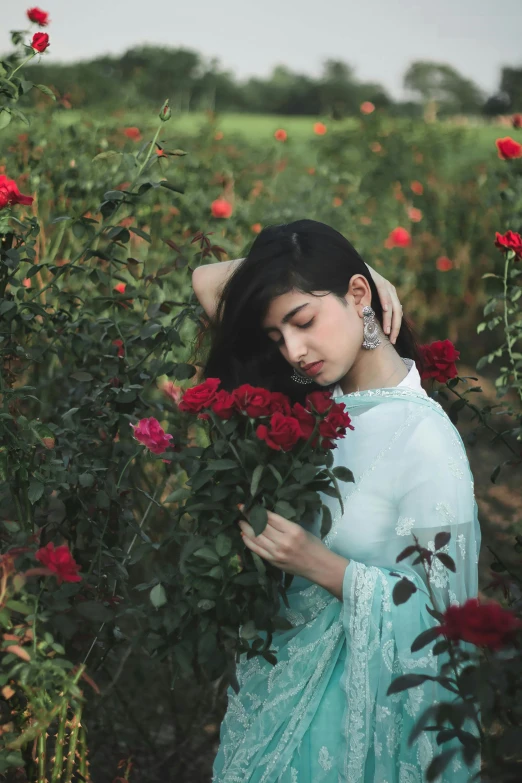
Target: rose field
[[113, 666]]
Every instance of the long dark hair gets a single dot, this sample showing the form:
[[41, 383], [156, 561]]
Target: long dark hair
[[305, 255]]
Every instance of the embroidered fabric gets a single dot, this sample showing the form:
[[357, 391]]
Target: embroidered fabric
[[322, 713]]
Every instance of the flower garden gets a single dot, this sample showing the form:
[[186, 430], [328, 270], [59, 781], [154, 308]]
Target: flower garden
[[110, 614]]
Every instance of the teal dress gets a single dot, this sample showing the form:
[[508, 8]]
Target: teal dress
[[322, 713]]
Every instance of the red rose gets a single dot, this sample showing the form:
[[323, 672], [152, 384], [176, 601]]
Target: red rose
[[306, 420], [508, 148], [334, 426], [38, 16], [9, 193], [444, 264], [119, 344], [133, 133], [509, 241], [399, 237], [152, 435], [254, 400], [40, 42], [224, 404], [59, 561], [320, 401], [199, 397], [280, 403], [283, 433], [439, 360], [221, 208], [485, 625], [280, 135], [517, 120]]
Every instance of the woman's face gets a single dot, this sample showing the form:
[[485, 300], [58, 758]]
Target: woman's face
[[310, 328]]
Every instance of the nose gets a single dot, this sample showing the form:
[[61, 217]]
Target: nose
[[295, 348]]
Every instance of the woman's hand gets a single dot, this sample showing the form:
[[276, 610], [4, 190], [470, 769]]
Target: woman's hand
[[285, 544], [392, 308]]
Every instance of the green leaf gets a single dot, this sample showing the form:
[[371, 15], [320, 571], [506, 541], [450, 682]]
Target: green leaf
[[102, 499], [5, 118], [223, 545], [256, 478], [258, 518], [406, 681], [326, 522], [343, 474], [46, 91], [109, 156], [248, 630], [208, 554], [179, 494], [113, 195], [18, 606], [82, 376], [86, 479], [222, 464], [140, 233], [158, 596], [172, 186], [35, 492], [425, 638], [439, 764]]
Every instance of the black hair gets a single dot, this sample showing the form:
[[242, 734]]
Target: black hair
[[305, 255]]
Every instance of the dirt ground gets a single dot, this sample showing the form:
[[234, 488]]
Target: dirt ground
[[499, 503]]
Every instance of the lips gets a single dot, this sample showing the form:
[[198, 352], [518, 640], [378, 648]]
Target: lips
[[313, 369]]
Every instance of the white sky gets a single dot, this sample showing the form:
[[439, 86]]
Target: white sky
[[379, 38]]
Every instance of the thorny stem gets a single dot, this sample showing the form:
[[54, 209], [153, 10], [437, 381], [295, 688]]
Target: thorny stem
[[506, 329], [498, 435]]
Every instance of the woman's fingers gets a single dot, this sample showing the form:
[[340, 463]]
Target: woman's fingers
[[396, 317]]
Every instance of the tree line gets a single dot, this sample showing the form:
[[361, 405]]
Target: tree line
[[146, 74]]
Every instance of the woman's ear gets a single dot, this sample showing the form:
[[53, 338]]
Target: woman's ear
[[359, 291]]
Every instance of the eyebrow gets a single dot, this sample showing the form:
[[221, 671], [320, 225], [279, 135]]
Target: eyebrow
[[287, 317]]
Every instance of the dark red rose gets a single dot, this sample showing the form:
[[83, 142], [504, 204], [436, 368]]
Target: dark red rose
[[485, 625], [282, 434], [253, 400], [59, 561], [224, 405], [509, 241], [38, 16], [199, 397], [336, 423], [439, 360], [320, 401], [508, 148], [305, 418], [40, 42], [280, 403]]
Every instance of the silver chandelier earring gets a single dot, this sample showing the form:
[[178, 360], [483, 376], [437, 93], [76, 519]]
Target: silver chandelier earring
[[300, 379], [370, 329]]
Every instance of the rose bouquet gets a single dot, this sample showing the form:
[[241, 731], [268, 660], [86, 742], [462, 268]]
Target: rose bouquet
[[267, 455]]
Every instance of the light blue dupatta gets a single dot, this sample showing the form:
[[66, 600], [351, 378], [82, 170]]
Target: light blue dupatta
[[322, 713]]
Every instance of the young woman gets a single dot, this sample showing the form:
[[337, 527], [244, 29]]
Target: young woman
[[302, 312]]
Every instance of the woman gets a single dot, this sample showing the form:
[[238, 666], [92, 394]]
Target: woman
[[303, 296]]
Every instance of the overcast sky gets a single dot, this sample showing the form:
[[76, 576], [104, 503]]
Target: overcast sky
[[379, 38]]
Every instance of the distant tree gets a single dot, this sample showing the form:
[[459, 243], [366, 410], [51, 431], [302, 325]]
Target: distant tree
[[442, 85], [511, 85]]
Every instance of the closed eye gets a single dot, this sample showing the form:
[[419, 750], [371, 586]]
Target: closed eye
[[299, 326]]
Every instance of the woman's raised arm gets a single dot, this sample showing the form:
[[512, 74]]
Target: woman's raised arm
[[208, 280]]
